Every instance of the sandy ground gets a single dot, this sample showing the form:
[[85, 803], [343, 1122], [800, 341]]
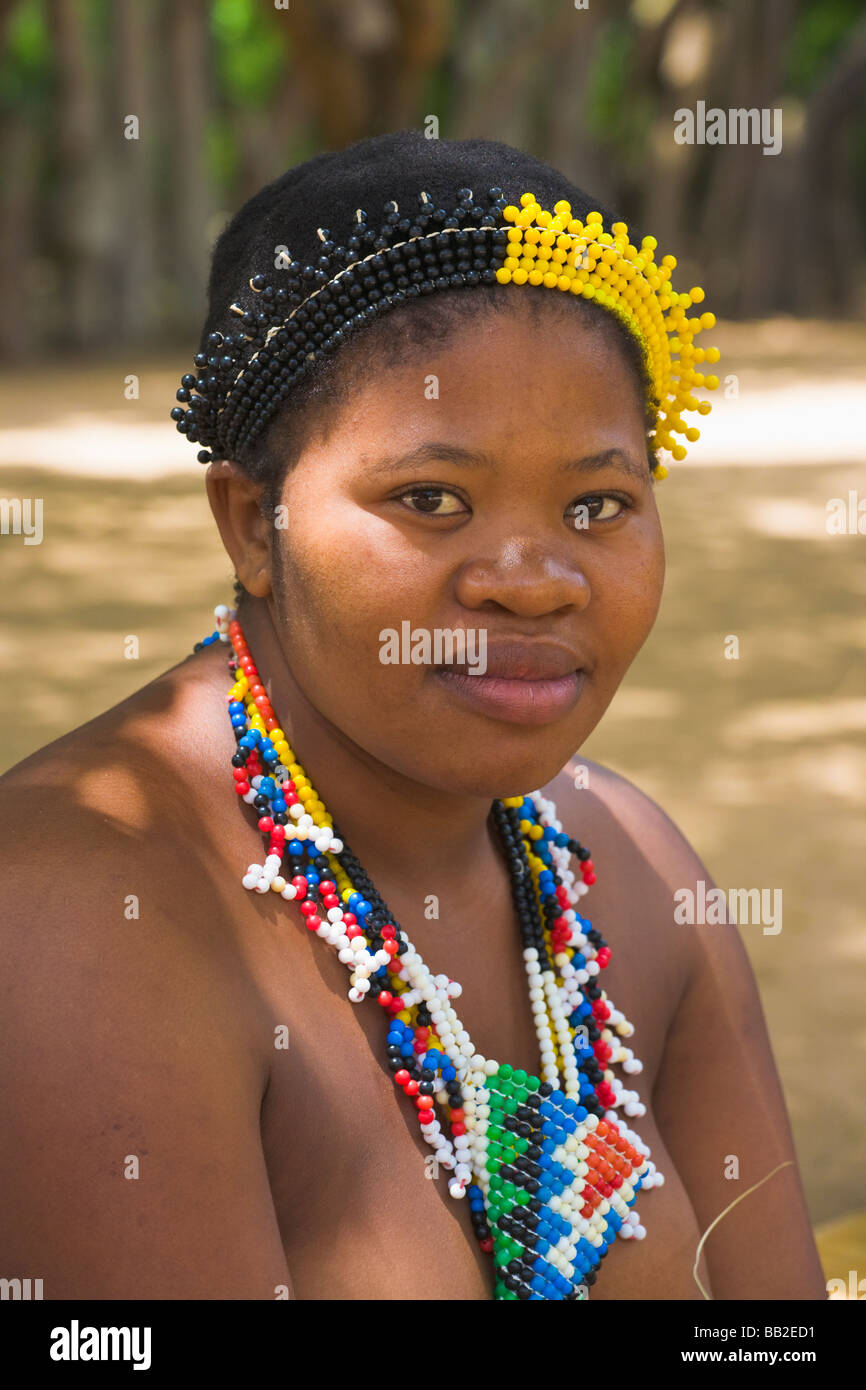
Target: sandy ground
[[760, 760]]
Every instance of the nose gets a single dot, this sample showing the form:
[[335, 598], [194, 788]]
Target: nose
[[526, 576]]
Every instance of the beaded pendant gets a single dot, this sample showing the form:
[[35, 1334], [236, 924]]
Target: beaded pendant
[[537, 1245], [550, 1170]]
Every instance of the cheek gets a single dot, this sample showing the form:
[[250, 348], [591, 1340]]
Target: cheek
[[626, 587], [341, 585]]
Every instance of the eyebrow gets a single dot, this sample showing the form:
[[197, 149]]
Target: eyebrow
[[426, 454]]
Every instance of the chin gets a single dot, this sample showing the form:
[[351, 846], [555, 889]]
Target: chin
[[502, 772]]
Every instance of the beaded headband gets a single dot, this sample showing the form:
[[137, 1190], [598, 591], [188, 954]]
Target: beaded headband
[[243, 378]]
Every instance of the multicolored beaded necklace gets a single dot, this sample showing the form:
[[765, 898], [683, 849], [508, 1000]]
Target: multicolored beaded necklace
[[550, 1171]]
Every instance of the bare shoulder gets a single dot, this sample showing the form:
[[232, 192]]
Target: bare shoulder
[[645, 864], [101, 825], [136, 1169], [96, 833], [641, 858], [689, 986], [124, 754], [623, 818], [633, 836], [113, 804]]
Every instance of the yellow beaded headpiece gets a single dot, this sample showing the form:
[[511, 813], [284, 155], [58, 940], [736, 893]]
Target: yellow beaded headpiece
[[561, 252]]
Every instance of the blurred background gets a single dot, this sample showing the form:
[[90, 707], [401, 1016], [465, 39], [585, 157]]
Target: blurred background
[[130, 130]]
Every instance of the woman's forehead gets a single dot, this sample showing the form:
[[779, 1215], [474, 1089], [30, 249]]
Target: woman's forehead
[[524, 361]]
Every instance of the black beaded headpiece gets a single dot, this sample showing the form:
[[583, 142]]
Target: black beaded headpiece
[[256, 347], [306, 311]]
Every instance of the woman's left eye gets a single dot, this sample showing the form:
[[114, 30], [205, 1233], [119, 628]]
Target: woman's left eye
[[429, 498], [600, 500]]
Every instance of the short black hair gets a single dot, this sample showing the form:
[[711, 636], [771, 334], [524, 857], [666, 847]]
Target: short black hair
[[324, 192]]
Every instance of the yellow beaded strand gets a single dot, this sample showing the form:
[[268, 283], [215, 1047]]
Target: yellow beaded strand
[[557, 251]]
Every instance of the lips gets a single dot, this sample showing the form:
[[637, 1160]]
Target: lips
[[537, 661], [524, 683]]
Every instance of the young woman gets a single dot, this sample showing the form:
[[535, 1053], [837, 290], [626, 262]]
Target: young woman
[[437, 415]]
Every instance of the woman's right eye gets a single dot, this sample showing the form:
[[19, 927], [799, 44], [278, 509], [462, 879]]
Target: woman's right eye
[[429, 498]]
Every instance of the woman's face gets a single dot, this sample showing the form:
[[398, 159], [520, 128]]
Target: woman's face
[[496, 484]]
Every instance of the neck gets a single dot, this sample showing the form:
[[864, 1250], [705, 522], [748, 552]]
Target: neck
[[385, 817]]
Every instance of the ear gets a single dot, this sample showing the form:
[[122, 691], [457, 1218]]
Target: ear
[[235, 502]]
